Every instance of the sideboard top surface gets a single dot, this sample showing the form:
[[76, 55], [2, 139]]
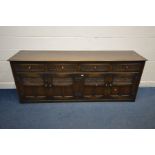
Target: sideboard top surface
[[40, 55]]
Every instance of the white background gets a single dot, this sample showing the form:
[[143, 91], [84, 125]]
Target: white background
[[69, 142], [77, 13]]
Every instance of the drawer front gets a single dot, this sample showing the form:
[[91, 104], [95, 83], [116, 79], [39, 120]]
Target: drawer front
[[62, 67], [127, 67], [29, 67], [95, 67]]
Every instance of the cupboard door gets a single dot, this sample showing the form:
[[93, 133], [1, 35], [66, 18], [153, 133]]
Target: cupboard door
[[61, 86], [93, 86], [122, 85], [32, 86]]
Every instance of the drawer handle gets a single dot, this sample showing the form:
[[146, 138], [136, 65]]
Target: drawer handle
[[115, 89], [62, 67], [110, 85], [50, 85], [29, 67], [95, 67], [82, 75]]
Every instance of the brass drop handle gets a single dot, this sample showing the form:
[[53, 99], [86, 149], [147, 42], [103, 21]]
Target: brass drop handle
[[115, 89], [110, 84], [62, 67]]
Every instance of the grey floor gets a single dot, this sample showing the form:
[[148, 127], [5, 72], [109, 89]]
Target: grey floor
[[113, 115]]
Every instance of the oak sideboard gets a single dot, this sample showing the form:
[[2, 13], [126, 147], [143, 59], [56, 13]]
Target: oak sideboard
[[59, 76]]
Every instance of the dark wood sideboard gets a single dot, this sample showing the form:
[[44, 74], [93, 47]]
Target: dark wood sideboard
[[50, 76]]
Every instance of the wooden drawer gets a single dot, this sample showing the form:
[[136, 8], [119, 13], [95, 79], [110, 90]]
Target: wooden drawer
[[25, 67], [95, 67], [62, 67], [127, 67]]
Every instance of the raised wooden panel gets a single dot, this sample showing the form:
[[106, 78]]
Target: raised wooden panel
[[121, 92], [61, 86], [93, 86], [94, 92], [90, 81], [31, 86]]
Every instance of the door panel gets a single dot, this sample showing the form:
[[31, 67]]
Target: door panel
[[122, 85], [93, 92], [121, 91], [32, 86], [93, 86], [62, 86]]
